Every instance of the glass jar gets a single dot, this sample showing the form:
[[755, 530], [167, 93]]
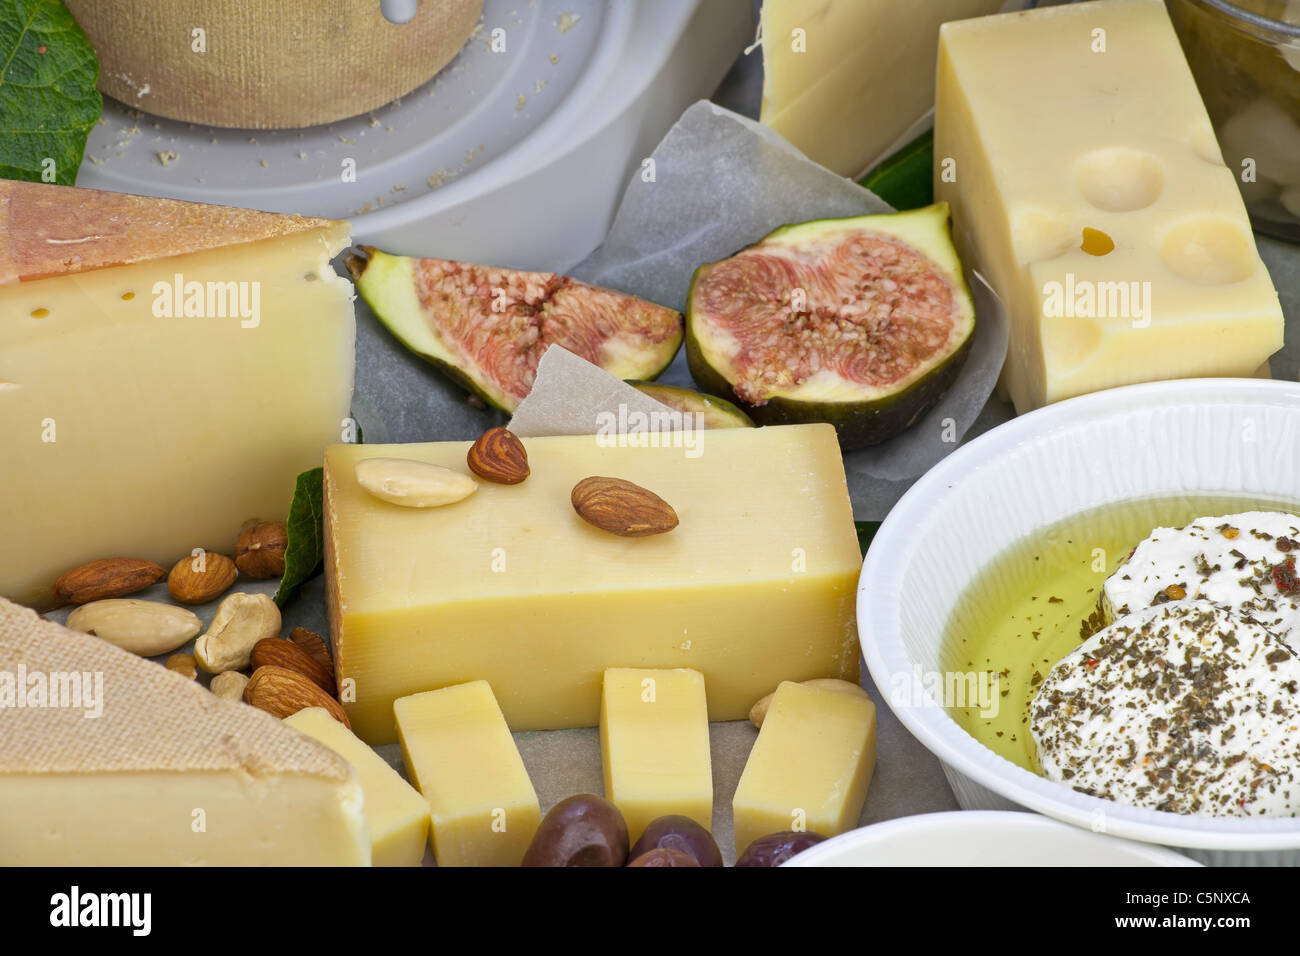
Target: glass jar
[[1245, 56]]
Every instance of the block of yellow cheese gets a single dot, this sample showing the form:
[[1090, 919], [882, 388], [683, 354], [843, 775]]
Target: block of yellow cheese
[[654, 745], [166, 371], [1086, 184], [396, 812], [108, 759], [459, 752], [843, 81], [755, 585], [810, 766]]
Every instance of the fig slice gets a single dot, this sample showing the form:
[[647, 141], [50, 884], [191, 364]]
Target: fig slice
[[862, 322], [717, 412], [487, 327]]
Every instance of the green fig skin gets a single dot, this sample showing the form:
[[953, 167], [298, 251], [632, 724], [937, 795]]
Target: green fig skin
[[386, 283], [872, 420], [717, 412]]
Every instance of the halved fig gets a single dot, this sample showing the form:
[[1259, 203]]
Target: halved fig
[[487, 327], [861, 322], [717, 412]]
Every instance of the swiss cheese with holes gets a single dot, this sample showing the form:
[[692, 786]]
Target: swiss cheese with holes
[[1087, 186]]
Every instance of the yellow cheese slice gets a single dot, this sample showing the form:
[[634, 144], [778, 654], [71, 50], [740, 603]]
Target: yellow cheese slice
[[755, 585], [654, 745], [146, 409], [1085, 117], [460, 754], [810, 766], [107, 759], [398, 816], [843, 80]]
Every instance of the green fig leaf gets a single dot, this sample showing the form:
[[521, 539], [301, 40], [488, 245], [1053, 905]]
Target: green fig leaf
[[48, 99], [304, 554]]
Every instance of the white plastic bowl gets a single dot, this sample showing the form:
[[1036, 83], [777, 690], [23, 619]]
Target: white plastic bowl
[[1197, 436], [987, 838]]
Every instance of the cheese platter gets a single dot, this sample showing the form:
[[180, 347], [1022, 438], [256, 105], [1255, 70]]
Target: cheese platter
[[483, 477]]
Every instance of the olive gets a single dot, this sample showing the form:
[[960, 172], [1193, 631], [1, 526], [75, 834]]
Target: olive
[[677, 832], [584, 830], [664, 856], [775, 848]]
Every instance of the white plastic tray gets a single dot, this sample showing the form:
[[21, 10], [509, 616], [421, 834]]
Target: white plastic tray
[[516, 158]]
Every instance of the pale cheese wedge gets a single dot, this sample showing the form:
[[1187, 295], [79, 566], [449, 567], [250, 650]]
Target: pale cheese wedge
[[166, 371], [398, 815], [108, 759]]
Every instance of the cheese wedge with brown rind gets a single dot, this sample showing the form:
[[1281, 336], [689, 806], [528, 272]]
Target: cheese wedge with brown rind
[[166, 371]]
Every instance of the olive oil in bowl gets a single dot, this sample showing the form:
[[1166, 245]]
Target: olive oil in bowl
[[1036, 602]]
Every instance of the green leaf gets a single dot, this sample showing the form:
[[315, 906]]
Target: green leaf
[[305, 551], [866, 531], [906, 179], [48, 99]]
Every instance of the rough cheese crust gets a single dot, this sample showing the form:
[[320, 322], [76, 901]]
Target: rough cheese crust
[[1187, 707], [1236, 560], [153, 719], [48, 230]]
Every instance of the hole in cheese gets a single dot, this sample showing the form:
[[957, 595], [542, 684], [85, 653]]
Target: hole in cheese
[[1040, 234], [40, 313], [128, 296], [1209, 250], [1070, 341], [1096, 243], [1119, 179]]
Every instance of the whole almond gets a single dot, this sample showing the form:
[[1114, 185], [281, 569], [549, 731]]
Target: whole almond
[[287, 654], [621, 507], [147, 628], [259, 552], [201, 578], [498, 456], [106, 578], [282, 692], [313, 644], [413, 484], [183, 664]]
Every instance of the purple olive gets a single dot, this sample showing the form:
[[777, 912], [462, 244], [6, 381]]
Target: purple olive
[[664, 857], [584, 830], [775, 848], [677, 832]]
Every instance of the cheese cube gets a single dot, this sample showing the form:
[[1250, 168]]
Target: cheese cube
[[754, 586], [166, 371], [844, 81], [654, 745], [1062, 132], [810, 766], [461, 756], [398, 816]]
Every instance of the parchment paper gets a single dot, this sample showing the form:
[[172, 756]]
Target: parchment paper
[[721, 182]]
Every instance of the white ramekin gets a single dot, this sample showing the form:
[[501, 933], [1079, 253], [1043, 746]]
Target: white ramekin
[[982, 838], [1196, 436]]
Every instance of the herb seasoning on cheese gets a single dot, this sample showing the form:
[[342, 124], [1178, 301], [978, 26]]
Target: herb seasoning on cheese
[[1007, 623], [1242, 561], [1187, 707]]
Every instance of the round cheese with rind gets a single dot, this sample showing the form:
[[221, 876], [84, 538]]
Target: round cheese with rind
[[268, 64]]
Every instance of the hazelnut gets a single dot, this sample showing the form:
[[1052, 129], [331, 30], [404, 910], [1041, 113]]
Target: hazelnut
[[259, 553]]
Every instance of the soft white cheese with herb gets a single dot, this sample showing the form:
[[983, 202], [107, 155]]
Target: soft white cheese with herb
[[1244, 561], [1187, 707]]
